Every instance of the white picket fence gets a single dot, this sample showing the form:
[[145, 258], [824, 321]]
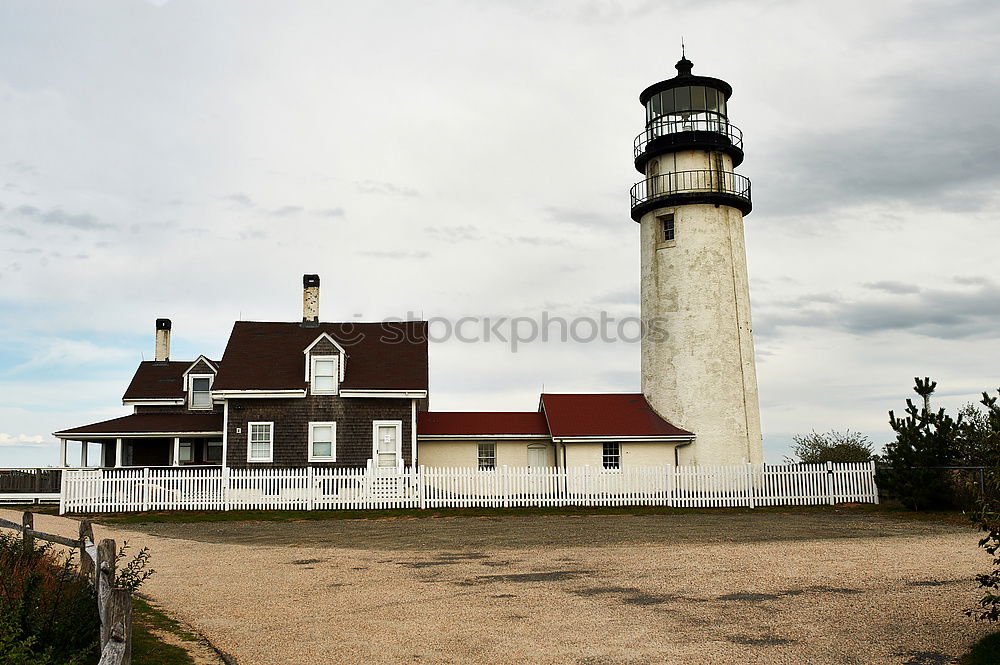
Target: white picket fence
[[214, 488]]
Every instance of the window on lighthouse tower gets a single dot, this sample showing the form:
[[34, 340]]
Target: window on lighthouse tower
[[667, 228]]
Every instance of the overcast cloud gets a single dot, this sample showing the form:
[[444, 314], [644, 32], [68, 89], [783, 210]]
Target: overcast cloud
[[193, 160]]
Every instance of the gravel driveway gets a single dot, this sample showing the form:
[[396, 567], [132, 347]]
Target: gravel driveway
[[713, 588]]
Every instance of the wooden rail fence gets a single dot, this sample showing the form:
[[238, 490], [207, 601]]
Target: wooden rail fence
[[319, 488], [97, 564]]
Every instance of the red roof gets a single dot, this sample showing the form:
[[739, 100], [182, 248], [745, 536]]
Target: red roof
[[481, 423], [380, 356], [605, 415], [143, 423]]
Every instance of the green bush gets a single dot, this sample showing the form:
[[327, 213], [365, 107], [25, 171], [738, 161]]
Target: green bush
[[832, 446], [47, 614]]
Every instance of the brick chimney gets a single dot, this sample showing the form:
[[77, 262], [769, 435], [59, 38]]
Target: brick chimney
[[310, 301], [162, 340]]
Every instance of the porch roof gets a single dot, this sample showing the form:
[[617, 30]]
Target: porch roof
[[616, 415], [150, 424], [481, 423]]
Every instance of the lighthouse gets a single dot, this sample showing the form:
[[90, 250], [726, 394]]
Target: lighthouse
[[698, 368]]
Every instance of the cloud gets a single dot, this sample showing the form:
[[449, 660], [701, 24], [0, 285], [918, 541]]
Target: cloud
[[385, 188], [939, 313], [453, 233], [285, 211], [586, 218], [46, 352], [395, 255], [24, 441], [240, 198], [57, 217], [331, 212], [889, 286]]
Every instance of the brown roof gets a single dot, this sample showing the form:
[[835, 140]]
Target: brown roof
[[140, 423], [605, 415], [157, 380], [481, 422], [268, 356]]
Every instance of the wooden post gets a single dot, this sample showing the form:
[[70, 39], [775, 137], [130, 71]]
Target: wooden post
[[119, 620], [106, 551], [28, 522], [86, 535]]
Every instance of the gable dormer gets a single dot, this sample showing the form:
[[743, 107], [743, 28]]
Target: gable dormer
[[198, 380], [325, 365]]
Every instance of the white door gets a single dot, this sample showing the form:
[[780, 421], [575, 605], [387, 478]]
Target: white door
[[388, 452], [538, 456]]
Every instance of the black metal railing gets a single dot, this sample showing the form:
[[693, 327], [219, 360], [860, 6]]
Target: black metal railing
[[673, 124], [704, 181]]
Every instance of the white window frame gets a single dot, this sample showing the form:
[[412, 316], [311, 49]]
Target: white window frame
[[270, 456], [333, 442], [398, 424], [336, 374], [190, 380], [480, 458]]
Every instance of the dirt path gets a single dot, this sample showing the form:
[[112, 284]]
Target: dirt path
[[679, 589]]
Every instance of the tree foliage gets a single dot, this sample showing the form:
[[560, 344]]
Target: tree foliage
[[986, 429], [832, 446], [926, 440]]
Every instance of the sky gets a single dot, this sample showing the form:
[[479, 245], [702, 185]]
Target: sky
[[192, 160]]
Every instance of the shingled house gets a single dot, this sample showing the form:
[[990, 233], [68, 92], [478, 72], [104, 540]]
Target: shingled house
[[351, 395]]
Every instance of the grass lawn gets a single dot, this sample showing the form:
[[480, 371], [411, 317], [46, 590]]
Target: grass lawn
[[984, 652], [148, 645]]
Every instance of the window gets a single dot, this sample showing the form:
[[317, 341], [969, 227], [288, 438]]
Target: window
[[324, 375], [322, 442], [261, 442], [185, 451], [387, 435], [213, 451], [667, 231], [487, 456], [200, 395], [612, 456]]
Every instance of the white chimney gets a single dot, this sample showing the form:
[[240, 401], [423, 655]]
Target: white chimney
[[310, 300], [162, 340]]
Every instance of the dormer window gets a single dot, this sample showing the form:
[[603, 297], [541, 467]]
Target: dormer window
[[325, 374], [200, 392]]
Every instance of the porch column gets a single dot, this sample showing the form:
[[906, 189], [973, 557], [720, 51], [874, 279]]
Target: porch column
[[84, 445], [177, 451], [118, 453], [62, 453]]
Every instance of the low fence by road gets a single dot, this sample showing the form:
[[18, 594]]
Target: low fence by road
[[29, 485], [314, 488], [97, 564]]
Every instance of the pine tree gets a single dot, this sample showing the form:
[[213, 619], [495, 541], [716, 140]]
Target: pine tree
[[925, 441]]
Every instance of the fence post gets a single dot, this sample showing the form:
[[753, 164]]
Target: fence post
[[225, 488], [311, 481], [145, 488], [874, 483], [86, 535], [28, 525], [119, 621], [829, 481], [421, 491], [505, 487], [106, 551], [750, 486]]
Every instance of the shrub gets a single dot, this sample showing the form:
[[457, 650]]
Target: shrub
[[833, 446], [47, 614]]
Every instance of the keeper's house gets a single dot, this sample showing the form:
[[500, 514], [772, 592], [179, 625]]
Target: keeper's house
[[351, 395]]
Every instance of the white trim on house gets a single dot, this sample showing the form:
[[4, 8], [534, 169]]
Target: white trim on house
[[215, 370], [398, 424], [190, 391], [154, 401], [270, 455], [337, 378], [391, 394], [623, 439], [130, 435], [413, 433], [225, 433], [343, 353], [258, 394], [333, 442], [464, 437]]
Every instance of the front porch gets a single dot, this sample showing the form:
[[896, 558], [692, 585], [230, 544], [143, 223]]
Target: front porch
[[135, 450]]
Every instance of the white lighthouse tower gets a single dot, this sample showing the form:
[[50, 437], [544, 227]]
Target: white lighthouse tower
[[697, 354]]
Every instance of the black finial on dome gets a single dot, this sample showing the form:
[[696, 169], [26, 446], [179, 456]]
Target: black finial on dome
[[684, 66]]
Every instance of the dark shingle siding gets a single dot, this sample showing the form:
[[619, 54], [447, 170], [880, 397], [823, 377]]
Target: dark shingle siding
[[291, 418]]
